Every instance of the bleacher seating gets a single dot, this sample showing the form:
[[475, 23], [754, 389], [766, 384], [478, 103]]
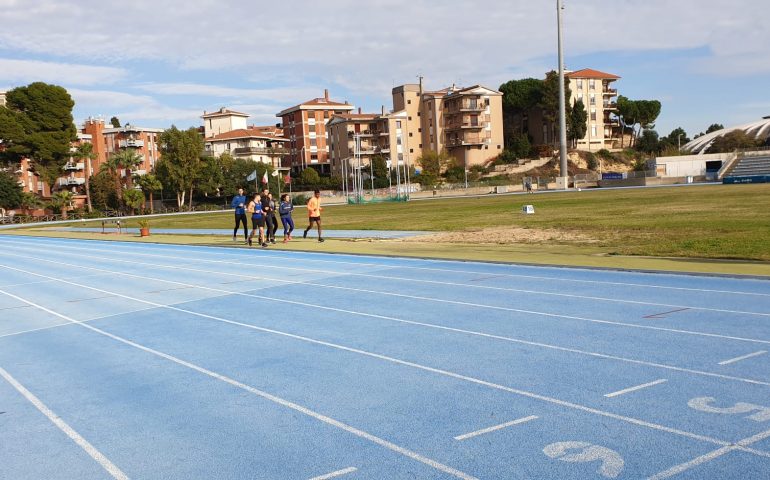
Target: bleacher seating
[[751, 165]]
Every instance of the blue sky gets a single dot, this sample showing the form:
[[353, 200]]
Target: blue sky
[[156, 64]]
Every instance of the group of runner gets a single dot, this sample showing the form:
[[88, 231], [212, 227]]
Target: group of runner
[[262, 208]]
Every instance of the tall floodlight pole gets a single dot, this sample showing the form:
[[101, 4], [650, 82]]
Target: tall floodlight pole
[[562, 106]]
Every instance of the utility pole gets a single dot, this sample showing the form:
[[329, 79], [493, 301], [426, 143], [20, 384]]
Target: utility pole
[[562, 106]]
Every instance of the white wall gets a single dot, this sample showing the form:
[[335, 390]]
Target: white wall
[[686, 165]]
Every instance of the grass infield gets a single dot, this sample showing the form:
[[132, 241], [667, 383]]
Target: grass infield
[[703, 228]]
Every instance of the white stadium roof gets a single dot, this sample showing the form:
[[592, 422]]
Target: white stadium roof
[[759, 130]]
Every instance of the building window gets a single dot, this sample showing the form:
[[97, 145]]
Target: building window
[[410, 134], [593, 99], [408, 102], [592, 84], [313, 142], [398, 123], [311, 127], [593, 130], [326, 113], [411, 150], [580, 83], [409, 118], [593, 114]]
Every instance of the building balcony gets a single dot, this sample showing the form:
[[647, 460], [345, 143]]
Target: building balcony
[[131, 143], [71, 167], [469, 140], [464, 126], [610, 105], [66, 182], [363, 133], [610, 92], [259, 151]]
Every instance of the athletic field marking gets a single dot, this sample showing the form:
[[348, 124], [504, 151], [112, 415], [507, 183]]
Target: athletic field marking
[[385, 358], [275, 399], [101, 317], [415, 297], [663, 314], [682, 467], [744, 357], [77, 300], [275, 255], [496, 427], [338, 473], [377, 276], [105, 463], [411, 322], [611, 462], [12, 308], [633, 389]]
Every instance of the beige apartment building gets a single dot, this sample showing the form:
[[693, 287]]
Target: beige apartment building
[[599, 97], [467, 123], [304, 126], [226, 131]]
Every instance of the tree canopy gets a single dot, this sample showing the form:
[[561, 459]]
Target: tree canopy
[[10, 191], [577, 123], [181, 152], [37, 123]]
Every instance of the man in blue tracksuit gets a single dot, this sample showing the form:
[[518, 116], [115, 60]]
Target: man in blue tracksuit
[[239, 204]]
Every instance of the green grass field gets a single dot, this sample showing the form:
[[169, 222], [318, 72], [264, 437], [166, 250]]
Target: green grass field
[[729, 222]]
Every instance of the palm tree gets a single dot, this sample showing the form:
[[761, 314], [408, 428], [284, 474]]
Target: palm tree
[[30, 201], [126, 159], [149, 184], [62, 200], [133, 199], [85, 151]]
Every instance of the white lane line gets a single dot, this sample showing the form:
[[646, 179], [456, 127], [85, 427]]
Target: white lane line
[[399, 320], [633, 389], [275, 399], [677, 469], [105, 463], [102, 317], [463, 285], [393, 360], [518, 421], [744, 357], [404, 264], [740, 445], [338, 473], [416, 297]]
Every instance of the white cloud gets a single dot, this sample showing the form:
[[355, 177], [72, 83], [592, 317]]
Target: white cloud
[[24, 72], [196, 89]]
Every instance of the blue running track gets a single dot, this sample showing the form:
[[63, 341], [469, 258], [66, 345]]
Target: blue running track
[[124, 360]]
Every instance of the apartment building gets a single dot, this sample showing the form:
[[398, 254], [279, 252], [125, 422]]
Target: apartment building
[[226, 131], [304, 126], [599, 97], [467, 122], [30, 180], [74, 171], [2, 99], [223, 121], [142, 141], [353, 140]]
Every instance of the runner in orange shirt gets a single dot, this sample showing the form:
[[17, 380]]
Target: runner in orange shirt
[[314, 214]]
